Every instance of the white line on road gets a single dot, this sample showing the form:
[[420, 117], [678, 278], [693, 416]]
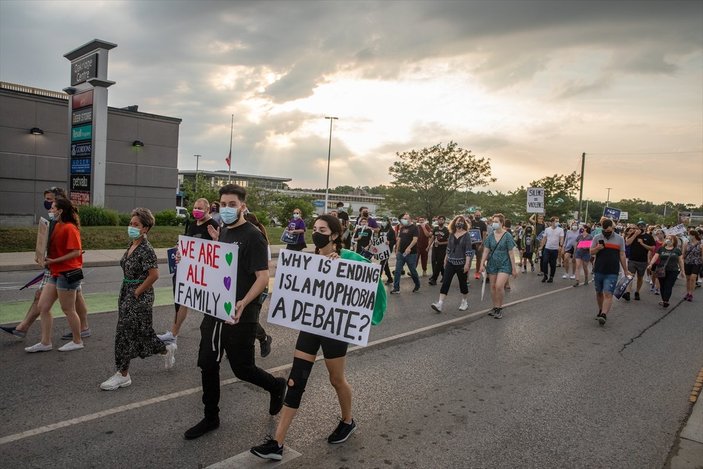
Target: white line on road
[[246, 459], [167, 397]]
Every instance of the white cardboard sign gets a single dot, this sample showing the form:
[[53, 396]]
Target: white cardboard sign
[[535, 200]]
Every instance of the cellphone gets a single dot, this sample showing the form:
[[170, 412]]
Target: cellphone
[[600, 241]]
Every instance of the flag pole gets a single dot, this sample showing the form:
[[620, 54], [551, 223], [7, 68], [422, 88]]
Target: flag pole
[[231, 132]]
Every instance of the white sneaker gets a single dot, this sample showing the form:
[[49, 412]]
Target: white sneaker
[[565, 276], [70, 347], [170, 356], [572, 277], [437, 306], [38, 348], [116, 381], [167, 337], [464, 305]]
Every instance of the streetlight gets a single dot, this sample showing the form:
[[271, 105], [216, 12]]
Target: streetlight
[[197, 161], [329, 153]]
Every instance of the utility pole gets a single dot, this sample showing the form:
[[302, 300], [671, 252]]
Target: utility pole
[[607, 202], [583, 164], [197, 161], [329, 153]]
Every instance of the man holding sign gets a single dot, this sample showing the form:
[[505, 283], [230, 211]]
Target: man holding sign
[[336, 300], [235, 335]]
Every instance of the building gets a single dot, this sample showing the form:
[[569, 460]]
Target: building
[[352, 202], [141, 165]]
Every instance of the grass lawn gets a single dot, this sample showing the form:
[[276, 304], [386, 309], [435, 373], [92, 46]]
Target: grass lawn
[[22, 239]]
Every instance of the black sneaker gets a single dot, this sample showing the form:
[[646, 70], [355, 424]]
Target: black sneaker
[[493, 312], [269, 450], [201, 428], [432, 282], [637, 296], [277, 396], [544, 278], [395, 292], [498, 313], [416, 289], [266, 346], [626, 296], [13, 331], [601, 319], [342, 432], [389, 281], [550, 280]]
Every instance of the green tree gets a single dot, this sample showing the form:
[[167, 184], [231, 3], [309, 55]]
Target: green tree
[[195, 191], [286, 205], [426, 180]]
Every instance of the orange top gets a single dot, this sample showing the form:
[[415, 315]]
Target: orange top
[[65, 238]]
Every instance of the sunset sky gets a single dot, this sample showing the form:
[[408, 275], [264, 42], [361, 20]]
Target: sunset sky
[[529, 84]]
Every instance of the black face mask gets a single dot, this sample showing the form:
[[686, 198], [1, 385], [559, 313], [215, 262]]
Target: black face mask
[[320, 240], [364, 214], [47, 204], [460, 225]]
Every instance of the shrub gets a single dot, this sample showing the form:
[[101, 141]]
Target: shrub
[[125, 218], [98, 216], [262, 216], [167, 218]]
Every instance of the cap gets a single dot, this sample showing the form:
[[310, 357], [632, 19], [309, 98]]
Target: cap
[[641, 222]]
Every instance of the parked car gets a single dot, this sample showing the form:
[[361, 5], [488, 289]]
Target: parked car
[[181, 212]]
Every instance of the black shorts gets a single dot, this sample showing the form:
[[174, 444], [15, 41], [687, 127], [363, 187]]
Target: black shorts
[[311, 343], [570, 252], [692, 269], [527, 255]]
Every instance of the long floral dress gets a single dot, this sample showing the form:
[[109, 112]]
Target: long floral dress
[[135, 336]]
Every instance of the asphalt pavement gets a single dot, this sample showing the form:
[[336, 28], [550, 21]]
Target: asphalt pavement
[[543, 387]]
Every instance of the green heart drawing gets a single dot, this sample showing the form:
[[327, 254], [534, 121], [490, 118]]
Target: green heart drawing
[[228, 258], [228, 308]]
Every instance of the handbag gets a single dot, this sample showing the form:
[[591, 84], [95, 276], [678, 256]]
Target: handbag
[[73, 276], [660, 271], [289, 238]]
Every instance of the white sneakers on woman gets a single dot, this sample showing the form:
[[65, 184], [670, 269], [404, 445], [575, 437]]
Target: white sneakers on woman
[[38, 348], [116, 381], [70, 347], [170, 357], [464, 305]]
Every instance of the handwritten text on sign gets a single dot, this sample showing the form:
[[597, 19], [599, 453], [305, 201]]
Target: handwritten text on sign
[[325, 297], [535, 200], [206, 278], [379, 248]]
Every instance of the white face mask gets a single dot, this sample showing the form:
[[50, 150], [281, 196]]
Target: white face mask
[[495, 225]]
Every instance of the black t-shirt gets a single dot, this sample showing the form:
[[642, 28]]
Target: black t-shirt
[[253, 256], [344, 217], [406, 235], [479, 225], [639, 253], [441, 235], [390, 236], [363, 233], [200, 231]]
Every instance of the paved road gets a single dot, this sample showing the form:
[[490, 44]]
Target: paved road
[[544, 387]]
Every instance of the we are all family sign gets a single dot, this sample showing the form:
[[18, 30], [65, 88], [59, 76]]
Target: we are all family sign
[[206, 278]]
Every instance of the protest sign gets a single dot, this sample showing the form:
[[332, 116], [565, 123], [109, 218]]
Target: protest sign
[[379, 248], [42, 241], [535, 200], [676, 230], [171, 253], [612, 213], [624, 215], [475, 235], [325, 297], [206, 278]]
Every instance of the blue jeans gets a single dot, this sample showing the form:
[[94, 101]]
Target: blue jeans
[[411, 261]]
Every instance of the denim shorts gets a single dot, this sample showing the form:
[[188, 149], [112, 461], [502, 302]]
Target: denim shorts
[[605, 283], [62, 284]]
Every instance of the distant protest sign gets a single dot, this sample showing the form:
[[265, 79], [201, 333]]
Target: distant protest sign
[[475, 236], [612, 213], [42, 241], [206, 278], [379, 248], [535, 200], [676, 230], [325, 297]]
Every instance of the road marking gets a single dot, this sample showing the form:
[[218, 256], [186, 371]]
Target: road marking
[[246, 459], [167, 397]]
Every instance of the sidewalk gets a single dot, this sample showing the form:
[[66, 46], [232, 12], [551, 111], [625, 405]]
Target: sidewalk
[[688, 453], [13, 261]]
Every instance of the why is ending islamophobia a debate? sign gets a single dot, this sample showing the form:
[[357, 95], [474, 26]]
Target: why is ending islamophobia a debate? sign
[[325, 297], [206, 278]]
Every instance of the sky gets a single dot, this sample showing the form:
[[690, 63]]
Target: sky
[[529, 84]]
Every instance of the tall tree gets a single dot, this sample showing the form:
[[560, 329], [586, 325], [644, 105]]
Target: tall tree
[[426, 180]]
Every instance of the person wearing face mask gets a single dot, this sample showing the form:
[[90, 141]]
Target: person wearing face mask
[[371, 221], [670, 257], [327, 232], [20, 330], [582, 255], [135, 336], [64, 260], [458, 254], [389, 237], [693, 262], [641, 244], [526, 244], [478, 224], [406, 253], [552, 243], [237, 337], [569, 246], [215, 212], [197, 229], [608, 248], [296, 231], [344, 219], [658, 244], [424, 232], [498, 262], [362, 237], [438, 243]]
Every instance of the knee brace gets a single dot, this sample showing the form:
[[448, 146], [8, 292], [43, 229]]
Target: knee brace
[[297, 380]]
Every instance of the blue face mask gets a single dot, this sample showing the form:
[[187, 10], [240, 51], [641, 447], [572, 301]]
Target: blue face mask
[[133, 232], [229, 215]]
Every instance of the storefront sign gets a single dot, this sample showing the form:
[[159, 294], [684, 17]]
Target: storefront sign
[[83, 69], [80, 100], [80, 182], [80, 165], [82, 116], [80, 198], [82, 132], [81, 149]]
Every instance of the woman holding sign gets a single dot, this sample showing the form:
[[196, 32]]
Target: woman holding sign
[[135, 336], [327, 236], [294, 236]]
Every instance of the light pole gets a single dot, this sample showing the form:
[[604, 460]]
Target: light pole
[[607, 202], [329, 153], [197, 161]]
